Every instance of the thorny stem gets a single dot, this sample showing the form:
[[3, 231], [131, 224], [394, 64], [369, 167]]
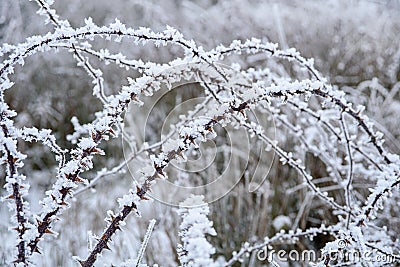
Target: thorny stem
[[142, 191], [106, 237], [44, 225], [85, 63], [330, 128], [372, 205], [51, 17], [359, 120], [142, 150], [21, 220]]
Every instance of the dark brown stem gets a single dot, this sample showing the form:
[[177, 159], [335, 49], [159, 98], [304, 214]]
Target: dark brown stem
[[368, 211], [21, 223], [16, 195], [142, 191], [45, 223], [359, 120], [106, 237]]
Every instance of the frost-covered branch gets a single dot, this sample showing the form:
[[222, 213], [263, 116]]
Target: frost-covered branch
[[145, 242], [195, 250], [95, 74], [350, 161], [15, 185], [288, 237]]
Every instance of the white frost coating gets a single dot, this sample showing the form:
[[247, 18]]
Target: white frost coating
[[195, 250], [128, 200], [281, 221]]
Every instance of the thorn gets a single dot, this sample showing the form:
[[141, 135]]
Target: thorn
[[95, 150], [65, 190], [180, 153], [191, 139], [36, 249], [15, 160], [107, 247], [10, 197], [138, 189], [111, 131], [361, 223], [81, 262], [159, 169], [48, 231], [21, 228], [79, 179]]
